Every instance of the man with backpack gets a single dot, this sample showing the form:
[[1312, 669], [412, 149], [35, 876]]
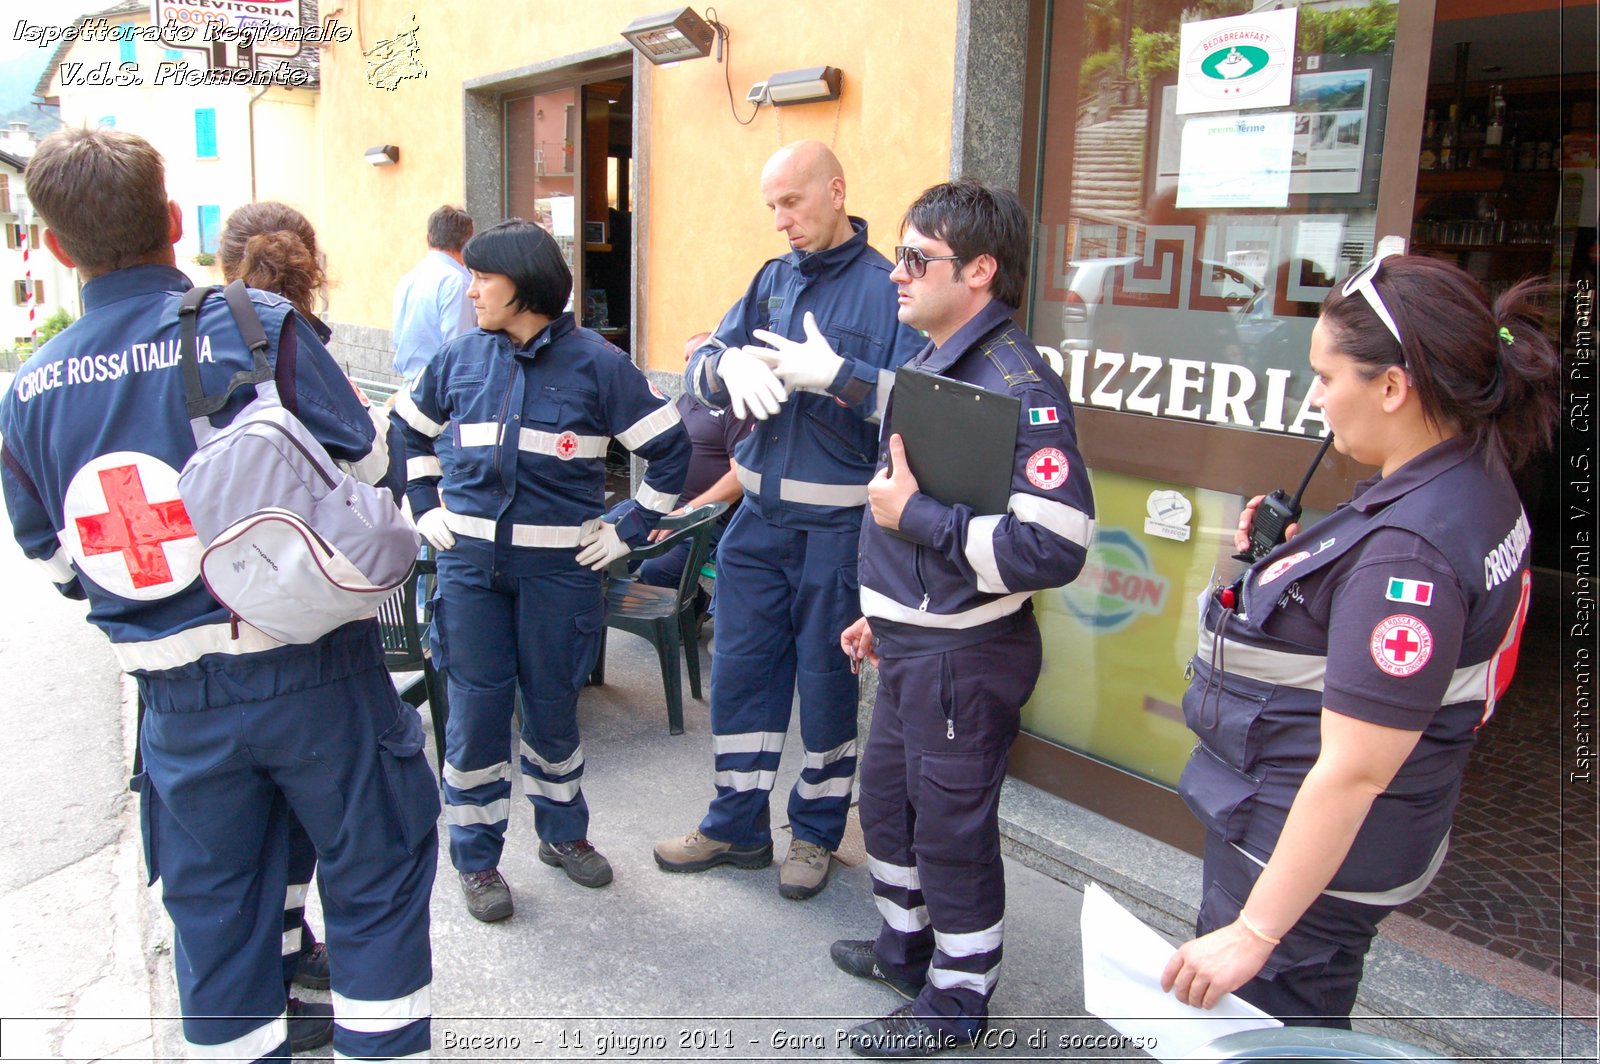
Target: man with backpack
[[239, 727]]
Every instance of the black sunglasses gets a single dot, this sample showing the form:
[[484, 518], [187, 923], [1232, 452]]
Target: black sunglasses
[[915, 262]]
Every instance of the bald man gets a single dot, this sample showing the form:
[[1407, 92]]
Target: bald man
[[810, 351]]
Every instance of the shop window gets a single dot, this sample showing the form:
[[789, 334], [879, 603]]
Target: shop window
[[210, 224], [205, 132]]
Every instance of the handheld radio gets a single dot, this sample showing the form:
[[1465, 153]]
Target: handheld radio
[[1278, 511]]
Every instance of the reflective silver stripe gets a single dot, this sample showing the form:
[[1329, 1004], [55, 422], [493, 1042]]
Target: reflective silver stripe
[[649, 427], [466, 779], [406, 407], [555, 768], [980, 554], [838, 787], [427, 466], [291, 941], [521, 535], [295, 896], [977, 982], [1305, 671], [479, 433], [464, 816], [702, 380], [969, 943], [258, 1043], [651, 499], [894, 875], [556, 792], [58, 565], [746, 781], [905, 921], [824, 758], [378, 1017], [805, 491], [1068, 522], [537, 441], [876, 604], [763, 742], [880, 401], [191, 645], [1392, 897], [374, 466], [1469, 683]]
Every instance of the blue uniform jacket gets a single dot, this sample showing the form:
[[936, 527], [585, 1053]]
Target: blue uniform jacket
[[807, 467], [96, 433], [953, 578], [529, 431], [1395, 609]]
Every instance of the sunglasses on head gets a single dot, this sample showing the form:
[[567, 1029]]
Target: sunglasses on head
[[915, 262], [1362, 281]]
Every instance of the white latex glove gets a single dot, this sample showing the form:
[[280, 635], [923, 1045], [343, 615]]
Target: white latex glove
[[810, 365], [431, 527], [752, 388], [601, 546]]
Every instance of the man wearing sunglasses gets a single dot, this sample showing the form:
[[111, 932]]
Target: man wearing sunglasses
[[786, 566], [949, 621]]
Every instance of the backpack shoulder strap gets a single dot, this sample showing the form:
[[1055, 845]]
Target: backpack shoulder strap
[[249, 326]]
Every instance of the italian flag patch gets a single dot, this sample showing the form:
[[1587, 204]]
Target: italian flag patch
[[1043, 415], [1417, 592]]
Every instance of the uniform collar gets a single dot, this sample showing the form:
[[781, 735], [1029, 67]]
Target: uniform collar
[[1379, 491], [811, 263], [123, 284], [559, 326], [938, 359]]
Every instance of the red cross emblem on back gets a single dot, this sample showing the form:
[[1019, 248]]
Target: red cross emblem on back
[[135, 527], [126, 527]]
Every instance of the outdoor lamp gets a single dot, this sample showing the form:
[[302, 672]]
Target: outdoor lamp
[[803, 86], [383, 155], [671, 36]]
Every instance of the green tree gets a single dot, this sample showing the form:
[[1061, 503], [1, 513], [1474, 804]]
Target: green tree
[[55, 323]]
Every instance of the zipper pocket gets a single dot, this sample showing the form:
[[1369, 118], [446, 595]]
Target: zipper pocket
[[837, 438]]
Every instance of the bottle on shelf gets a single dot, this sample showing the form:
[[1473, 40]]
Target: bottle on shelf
[[1447, 142], [1493, 155]]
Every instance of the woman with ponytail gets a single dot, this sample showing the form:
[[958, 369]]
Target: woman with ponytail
[[1341, 681], [272, 246]]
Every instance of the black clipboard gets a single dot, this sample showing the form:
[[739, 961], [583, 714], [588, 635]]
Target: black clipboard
[[960, 439]]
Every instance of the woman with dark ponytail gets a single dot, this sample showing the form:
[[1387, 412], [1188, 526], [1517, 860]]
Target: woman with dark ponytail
[[1341, 681]]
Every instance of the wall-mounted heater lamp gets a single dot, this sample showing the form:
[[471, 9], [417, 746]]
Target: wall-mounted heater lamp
[[671, 36], [803, 86], [383, 155]]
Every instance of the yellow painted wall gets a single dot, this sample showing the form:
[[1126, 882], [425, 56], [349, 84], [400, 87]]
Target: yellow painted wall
[[708, 227]]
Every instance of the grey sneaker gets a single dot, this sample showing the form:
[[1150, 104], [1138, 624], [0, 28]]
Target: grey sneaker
[[583, 863], [856, 956], [696, 853], [805, 871], [488, 897]]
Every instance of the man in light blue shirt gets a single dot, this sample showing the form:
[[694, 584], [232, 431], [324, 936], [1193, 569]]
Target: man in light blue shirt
[[430, 302]]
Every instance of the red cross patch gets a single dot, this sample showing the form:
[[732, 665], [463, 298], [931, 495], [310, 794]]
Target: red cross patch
[[127, 529], [566, 446], [1401, 645], [1281, 566], [1047, 468]]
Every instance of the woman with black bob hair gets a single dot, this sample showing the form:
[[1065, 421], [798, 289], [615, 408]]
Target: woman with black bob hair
[[514, 508], [1341, 680]]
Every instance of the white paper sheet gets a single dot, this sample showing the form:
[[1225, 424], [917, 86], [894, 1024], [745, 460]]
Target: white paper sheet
[[1122, 962]]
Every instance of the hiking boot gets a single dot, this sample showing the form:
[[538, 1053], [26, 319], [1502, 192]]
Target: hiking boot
[[310, 1025], [899, 1034], [805, 870], [696, 853], [856, 956], [312, 970], [581, 861], [488, 897]]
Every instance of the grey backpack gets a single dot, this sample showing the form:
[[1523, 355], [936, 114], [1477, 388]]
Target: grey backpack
[[292, 544]]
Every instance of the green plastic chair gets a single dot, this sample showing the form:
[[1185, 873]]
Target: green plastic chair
[[405, 650], [664, 615]]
